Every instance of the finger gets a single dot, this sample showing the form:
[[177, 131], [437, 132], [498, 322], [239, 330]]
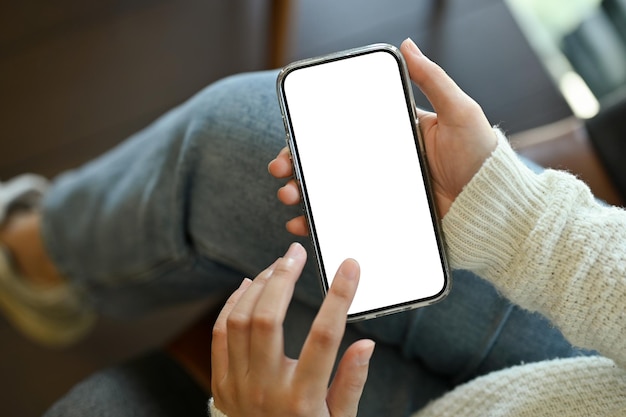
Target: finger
[[320, 348], [440, 90], [422, 113], [425, 119], [347, 386], [289, 194], [281, 166], [239, 323], [267, 348], [219, 343], [297, 226]]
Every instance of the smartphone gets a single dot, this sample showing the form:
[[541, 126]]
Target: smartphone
[[361, 167]]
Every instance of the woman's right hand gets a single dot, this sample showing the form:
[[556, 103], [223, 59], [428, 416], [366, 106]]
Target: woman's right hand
[[251, 376], [457, 136]]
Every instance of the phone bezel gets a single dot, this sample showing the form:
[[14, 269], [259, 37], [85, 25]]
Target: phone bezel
[[421, 152]]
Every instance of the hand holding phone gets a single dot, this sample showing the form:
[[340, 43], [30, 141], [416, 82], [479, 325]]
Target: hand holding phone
[[457, 137], [360, 165]]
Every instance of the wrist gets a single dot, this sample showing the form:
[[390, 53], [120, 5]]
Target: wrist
[[495, 211]]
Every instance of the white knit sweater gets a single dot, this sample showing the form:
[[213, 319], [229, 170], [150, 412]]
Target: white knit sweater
[[545, 243]]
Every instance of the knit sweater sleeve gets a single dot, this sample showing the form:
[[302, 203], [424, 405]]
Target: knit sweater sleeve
[[214, 411], [547, 245]]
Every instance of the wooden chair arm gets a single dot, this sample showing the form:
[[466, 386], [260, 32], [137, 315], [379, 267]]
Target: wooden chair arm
[[566, 145]]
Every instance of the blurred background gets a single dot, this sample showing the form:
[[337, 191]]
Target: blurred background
[[79, 76]]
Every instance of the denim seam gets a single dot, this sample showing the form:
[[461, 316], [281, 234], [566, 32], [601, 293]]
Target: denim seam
[[474, 364]]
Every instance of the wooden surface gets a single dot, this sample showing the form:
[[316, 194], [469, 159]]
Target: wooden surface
[[565, 145]]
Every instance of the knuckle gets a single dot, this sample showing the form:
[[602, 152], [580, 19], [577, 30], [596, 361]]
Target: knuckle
[[286, 269], [265, 321], [238, 322], [257, 396], [324, 336], [300, 405], [219, 331], [283, 268]]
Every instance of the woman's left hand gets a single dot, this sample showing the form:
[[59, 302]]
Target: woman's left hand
[[458, 137]]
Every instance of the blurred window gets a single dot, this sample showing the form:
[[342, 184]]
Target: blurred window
[[582, 43]]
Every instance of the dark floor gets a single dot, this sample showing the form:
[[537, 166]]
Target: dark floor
[[77, 77]]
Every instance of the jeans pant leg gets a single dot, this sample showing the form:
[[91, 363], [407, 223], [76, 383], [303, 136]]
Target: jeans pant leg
[[186, 207], [183, 209], [151, 385], [472, 332], [154, 385]]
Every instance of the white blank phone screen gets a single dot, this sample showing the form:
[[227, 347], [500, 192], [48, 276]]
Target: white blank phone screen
[[359, 163]]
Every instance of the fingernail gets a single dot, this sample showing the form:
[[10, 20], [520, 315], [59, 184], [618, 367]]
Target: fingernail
[[245, 283], [412, 47], [350, 269], [366, 354], [296, 251]]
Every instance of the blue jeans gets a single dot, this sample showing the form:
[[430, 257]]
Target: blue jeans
[[186, 208]]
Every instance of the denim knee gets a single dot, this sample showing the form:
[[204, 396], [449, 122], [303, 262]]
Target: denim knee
[[152, 385]]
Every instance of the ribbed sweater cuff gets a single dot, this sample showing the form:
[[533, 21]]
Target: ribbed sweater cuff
[[494, 213], [213, 410]]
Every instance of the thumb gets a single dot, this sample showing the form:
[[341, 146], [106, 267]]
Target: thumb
[[347, 386], [442, 92]]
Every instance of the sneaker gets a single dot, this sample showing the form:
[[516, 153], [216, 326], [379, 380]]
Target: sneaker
[[22, 192], [53, 316]]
